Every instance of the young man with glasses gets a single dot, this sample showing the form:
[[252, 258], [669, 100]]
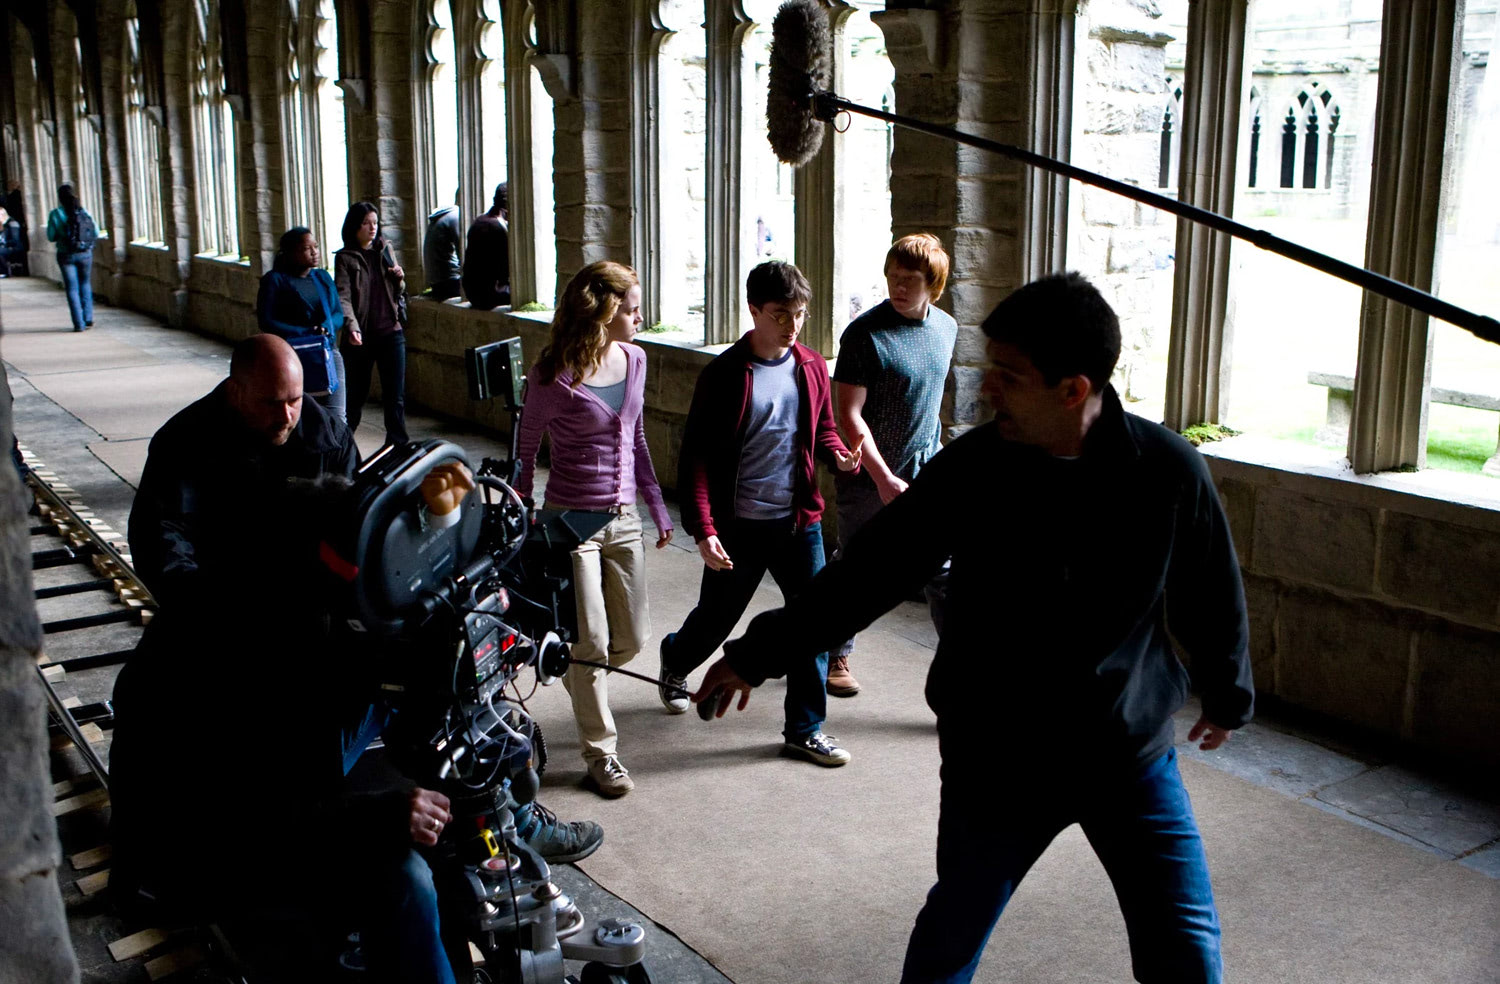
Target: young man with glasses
[[749, 489], [888, 388]]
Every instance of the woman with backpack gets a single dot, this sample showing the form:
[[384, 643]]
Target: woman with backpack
[[299, 302], [372, 290], [72, 228]]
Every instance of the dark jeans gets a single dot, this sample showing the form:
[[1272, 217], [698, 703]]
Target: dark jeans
[[1141, 826], [756, 546], [386, 353], [77, 272], [443, 291], [402, 929]]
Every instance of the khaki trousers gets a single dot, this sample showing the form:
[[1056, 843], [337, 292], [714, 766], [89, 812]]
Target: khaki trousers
[[609, 578]]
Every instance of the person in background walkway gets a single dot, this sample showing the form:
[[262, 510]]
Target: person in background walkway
[[372, 293], [72, 228], [760, 415], [299, 302], [888, 393], [440, 252], [15, 204], [1078, 533], [12, 256], [588, 390], [487, 256]]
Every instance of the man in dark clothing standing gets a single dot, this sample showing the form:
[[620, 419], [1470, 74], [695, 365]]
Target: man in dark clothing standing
[[237, 689], [487, 255], [440, 252], [1078, 533]]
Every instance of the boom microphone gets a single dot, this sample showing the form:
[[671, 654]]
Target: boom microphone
[[800, 63], [798, 103]]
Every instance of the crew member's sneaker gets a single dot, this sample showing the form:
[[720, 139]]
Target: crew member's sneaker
[[553, 839], [817, 747], [609, 777], [673, 688], [841, 682]]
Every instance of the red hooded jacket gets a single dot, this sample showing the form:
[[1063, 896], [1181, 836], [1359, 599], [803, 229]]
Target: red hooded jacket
[[708, 464]]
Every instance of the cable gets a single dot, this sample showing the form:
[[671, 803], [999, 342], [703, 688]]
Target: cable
[[631, 673]]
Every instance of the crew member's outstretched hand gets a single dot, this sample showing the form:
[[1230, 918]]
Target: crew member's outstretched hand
[[428, 813], [718, 688]]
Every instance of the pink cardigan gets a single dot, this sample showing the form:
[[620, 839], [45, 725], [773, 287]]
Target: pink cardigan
[[599, 457]]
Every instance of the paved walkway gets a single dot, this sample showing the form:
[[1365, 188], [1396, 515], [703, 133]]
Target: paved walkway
[[1330, 863]]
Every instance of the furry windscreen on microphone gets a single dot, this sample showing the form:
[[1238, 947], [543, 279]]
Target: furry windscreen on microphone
[[801, 46]]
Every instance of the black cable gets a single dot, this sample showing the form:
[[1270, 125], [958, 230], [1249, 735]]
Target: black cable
[[631, 673]]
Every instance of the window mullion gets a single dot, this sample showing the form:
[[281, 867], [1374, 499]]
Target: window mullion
[[1388, 426]]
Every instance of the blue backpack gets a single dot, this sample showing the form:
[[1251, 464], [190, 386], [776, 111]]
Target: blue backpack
[[81, 233]]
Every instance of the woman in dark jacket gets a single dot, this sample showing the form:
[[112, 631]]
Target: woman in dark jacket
[[372, 290], [299, 302]]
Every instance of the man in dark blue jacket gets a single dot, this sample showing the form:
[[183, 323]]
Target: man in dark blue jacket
[[1079, 534]]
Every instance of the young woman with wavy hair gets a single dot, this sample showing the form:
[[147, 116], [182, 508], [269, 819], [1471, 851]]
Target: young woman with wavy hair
[[588, 391]]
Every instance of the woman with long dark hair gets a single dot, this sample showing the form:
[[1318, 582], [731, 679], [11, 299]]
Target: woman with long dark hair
[[588, 391], [299, 302], [372, 292], [72, 228]]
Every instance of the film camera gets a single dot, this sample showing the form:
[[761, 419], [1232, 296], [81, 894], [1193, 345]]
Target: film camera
[[456, 612]]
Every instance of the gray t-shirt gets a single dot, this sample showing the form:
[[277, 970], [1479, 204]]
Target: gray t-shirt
[[903, 365], [613, 395], [768, 458]]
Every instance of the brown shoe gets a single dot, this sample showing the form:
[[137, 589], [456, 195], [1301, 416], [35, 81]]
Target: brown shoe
[[841, 682], [609, 778]]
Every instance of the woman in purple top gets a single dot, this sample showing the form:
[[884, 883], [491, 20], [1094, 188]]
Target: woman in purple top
[[588, 390]]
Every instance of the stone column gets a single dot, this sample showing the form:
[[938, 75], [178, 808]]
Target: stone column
[[1412, 114], [1047, 114], [263, 172], [725, 27], [1213, 88], [34, 944], [180, 203], [971, 67], [115, 168], [520, 55]]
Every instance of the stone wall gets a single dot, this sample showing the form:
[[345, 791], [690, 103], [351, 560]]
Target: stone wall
[[1355, 613], [1370, 604]]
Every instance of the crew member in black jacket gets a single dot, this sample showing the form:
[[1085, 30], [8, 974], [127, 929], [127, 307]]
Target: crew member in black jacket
[[238, 714], [1078, 533]]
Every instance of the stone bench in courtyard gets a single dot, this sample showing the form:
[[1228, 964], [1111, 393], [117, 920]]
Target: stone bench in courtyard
[[1341, 407]]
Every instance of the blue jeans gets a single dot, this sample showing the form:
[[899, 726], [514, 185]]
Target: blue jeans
[[402, 930], [77, 272], [335, 402], [1140, 825], [388, 355], [756, 546]]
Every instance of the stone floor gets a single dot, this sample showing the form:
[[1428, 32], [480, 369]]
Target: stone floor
[[88, 403]]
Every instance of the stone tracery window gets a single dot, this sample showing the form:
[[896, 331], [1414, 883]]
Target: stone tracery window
[[438, 131], [490, 50], [143, 146], [1308, 137], [214, 145], [1171, 135], [314, 134], [90, 153], [682, 125]]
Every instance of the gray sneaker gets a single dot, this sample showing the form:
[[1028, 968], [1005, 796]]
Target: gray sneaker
[[817, 747], [553, 839], [673, 689], [609, 778]]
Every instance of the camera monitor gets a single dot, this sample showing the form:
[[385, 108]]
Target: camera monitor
[[496, 369]]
